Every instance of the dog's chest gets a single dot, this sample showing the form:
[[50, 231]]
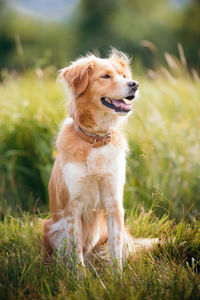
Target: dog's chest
[[105, 160], [83, 179]]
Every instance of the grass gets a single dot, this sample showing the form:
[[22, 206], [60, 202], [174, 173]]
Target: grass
[[163, 168], [170, 271], [164, 162], [30, 110]]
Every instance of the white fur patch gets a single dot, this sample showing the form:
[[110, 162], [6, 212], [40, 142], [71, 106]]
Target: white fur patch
[[65, 236], [67, 121], [59, 234], [83, 180]]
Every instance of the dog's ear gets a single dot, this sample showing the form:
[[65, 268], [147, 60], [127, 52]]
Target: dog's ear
[[77, 76], [120, 57]]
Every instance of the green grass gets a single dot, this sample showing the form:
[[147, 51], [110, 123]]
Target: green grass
[[31, 107], [170, 271], [164, 162], [163, 168]]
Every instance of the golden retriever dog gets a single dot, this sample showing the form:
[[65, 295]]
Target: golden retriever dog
[[87, 180]]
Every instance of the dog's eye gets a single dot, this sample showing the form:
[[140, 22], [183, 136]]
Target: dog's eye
[[106, 76]]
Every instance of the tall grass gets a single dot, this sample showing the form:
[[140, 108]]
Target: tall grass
[[163, 132], [31, 108], [170, 271], [164, 162]]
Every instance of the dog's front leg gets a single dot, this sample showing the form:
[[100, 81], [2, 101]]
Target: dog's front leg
[[74, 250], [115, 224], [71, 175], [66, 237], [112, 198]]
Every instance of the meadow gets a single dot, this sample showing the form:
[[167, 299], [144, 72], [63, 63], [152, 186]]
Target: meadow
[[162, 192]]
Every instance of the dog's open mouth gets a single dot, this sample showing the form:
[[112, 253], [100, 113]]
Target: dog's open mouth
[[121, 105]]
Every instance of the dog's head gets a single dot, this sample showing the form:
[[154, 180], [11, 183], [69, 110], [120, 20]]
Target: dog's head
[[103, 84]]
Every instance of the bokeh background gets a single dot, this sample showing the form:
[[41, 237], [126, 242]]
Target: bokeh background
[[38, 37], [39, 33]]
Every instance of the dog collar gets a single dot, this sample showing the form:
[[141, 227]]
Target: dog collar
[[96, 140]]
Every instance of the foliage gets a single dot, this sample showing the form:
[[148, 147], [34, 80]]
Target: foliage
[[96, 25], [163, 165], [93, 26], [189, 34], [170, 271], [29, 104]]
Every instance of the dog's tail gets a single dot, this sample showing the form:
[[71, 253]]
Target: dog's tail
[[131, 246], [47, 250]]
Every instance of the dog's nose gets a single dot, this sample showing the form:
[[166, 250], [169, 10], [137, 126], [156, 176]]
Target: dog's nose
[[133, 84]]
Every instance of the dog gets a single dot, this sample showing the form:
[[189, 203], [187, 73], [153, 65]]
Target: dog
[[88, 176]]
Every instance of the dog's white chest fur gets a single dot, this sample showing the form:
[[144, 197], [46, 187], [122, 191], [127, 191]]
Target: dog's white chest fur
[[105, 165]]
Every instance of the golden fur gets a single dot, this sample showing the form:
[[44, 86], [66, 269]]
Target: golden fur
[[84, 79]]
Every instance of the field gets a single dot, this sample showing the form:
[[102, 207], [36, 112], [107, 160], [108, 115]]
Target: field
[[170, 271], [162, 193]]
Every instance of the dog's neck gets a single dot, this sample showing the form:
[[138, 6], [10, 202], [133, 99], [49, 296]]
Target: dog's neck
[[96, 140], [101, 124], [93, 133]]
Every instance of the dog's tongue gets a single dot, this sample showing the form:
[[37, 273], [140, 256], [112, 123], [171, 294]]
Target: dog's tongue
[[121, 104]]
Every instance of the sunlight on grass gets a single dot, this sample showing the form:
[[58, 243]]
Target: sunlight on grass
[[170, 271], [164, 163]]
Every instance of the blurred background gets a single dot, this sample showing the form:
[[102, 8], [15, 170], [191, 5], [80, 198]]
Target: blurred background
[[38, 37], [43, 32]]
